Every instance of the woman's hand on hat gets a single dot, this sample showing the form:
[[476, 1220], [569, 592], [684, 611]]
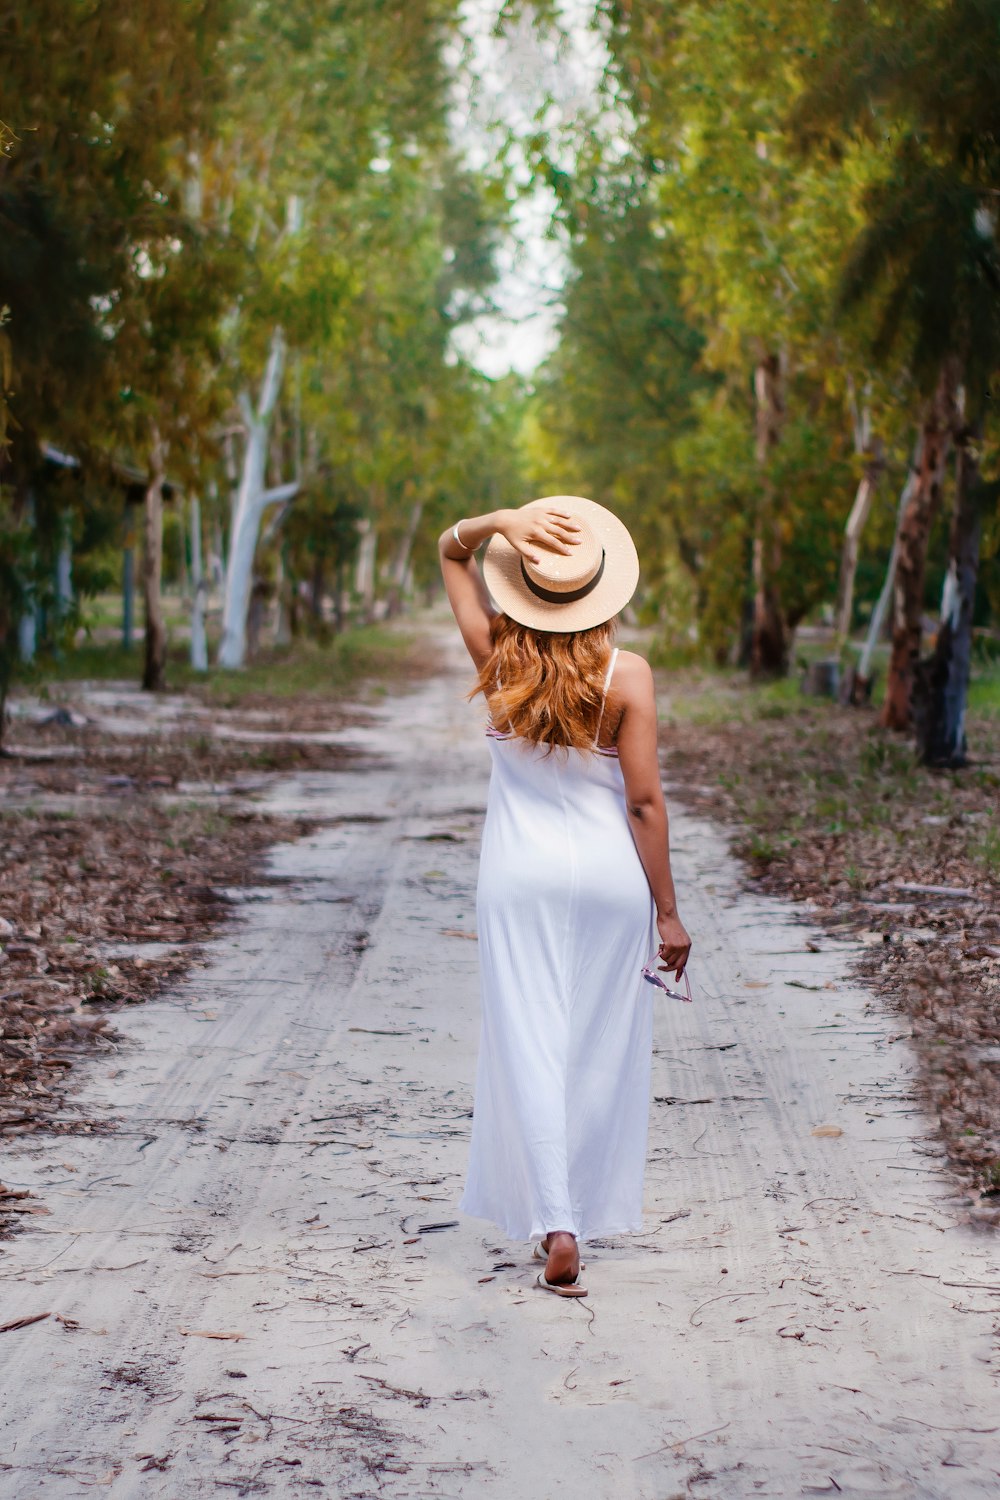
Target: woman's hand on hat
[[546, 527]]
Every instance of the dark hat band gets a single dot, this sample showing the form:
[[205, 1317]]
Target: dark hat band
[[553, 596]]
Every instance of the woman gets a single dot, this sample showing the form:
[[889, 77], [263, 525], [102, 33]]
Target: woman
[[574, 873]]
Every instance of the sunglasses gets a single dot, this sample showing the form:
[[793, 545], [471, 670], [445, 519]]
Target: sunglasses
[[651, 977]]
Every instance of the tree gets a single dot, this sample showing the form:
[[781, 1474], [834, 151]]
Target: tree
[[333, 104], [927, 263], [89, 219], [703, 96]]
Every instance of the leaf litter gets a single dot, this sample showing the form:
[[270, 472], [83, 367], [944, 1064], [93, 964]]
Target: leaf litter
[[829, 809], [120, 838]]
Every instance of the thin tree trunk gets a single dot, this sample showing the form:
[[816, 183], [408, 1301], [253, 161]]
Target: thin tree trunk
[[849, 557], [256, 616], [153, 680], [283, 587], [128, 593], [769, 632], [881, 611], [250, 503], [857, 520], [219, 568], [183, 573], [941, 684], [364, 578], [401, 561], [27, 635], [908, 601], [317, 588], [199, 589], [64, 569]]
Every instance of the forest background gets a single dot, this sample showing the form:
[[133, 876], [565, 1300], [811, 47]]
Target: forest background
[[239, 243]]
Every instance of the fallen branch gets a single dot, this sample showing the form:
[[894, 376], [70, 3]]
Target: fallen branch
[[958, 892]]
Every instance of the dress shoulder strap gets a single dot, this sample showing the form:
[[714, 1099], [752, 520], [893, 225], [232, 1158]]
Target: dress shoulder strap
[[604, 694]]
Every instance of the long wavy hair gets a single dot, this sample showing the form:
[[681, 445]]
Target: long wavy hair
[[546, 687]]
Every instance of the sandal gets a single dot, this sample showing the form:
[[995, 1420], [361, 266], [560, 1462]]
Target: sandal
[[561, 1288]]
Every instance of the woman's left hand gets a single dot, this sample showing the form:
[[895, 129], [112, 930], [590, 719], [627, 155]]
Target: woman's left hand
[[675, 945]]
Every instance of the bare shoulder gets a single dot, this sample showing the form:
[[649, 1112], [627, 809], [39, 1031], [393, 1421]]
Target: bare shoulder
[[633, 677]]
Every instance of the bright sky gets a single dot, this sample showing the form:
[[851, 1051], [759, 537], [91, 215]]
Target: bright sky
[[512, 77]]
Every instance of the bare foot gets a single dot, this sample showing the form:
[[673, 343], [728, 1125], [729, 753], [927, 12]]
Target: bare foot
[[563, 1264]]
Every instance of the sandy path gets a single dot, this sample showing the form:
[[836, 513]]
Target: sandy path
[[804, 1316]]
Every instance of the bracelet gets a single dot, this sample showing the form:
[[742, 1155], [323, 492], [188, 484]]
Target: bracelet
[[454, 532]]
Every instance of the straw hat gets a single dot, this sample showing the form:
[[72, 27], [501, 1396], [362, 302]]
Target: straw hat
[[560, 593]]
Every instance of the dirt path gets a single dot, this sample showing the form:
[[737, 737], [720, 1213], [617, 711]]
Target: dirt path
[[805, 1315]]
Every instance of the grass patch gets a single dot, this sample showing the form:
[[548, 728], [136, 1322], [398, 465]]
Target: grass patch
[[355, 662]]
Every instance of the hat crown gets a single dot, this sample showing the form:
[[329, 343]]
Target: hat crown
[[562, 574]]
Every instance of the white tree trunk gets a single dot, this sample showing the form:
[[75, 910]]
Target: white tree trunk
[[857, 520], [949, 595], [199, 589], [881, 611], [849, 556], [282, 624], [64, 568], [27, 633], [250, 503], [364, 577], [400, 571]]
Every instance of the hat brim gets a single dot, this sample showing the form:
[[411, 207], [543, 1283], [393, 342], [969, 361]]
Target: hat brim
[[509, 591]]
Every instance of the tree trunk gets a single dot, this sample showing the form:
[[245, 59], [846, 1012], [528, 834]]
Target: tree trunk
[[317, 588], [941, 683], [260, 594], [153, 680], [856, 521], [199, 590], [218, 560], [915, 525], [769, 632], [364, 577], [401, 561], [128, 592], [27, 635], [283, 590], [64, 569], [249, 505], [881, 610], [849, 558]]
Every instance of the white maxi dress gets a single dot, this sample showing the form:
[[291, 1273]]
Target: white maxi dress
[[565, 921]]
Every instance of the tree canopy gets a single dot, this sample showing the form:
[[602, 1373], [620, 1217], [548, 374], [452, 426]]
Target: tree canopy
[[236, 245]]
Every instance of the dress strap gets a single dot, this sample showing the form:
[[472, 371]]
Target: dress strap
[[604, 694]]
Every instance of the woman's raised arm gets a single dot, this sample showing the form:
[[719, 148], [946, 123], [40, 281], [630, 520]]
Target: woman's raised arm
[[470, 603]]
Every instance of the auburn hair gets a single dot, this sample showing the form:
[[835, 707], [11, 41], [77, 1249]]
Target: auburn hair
[[546, 687]]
